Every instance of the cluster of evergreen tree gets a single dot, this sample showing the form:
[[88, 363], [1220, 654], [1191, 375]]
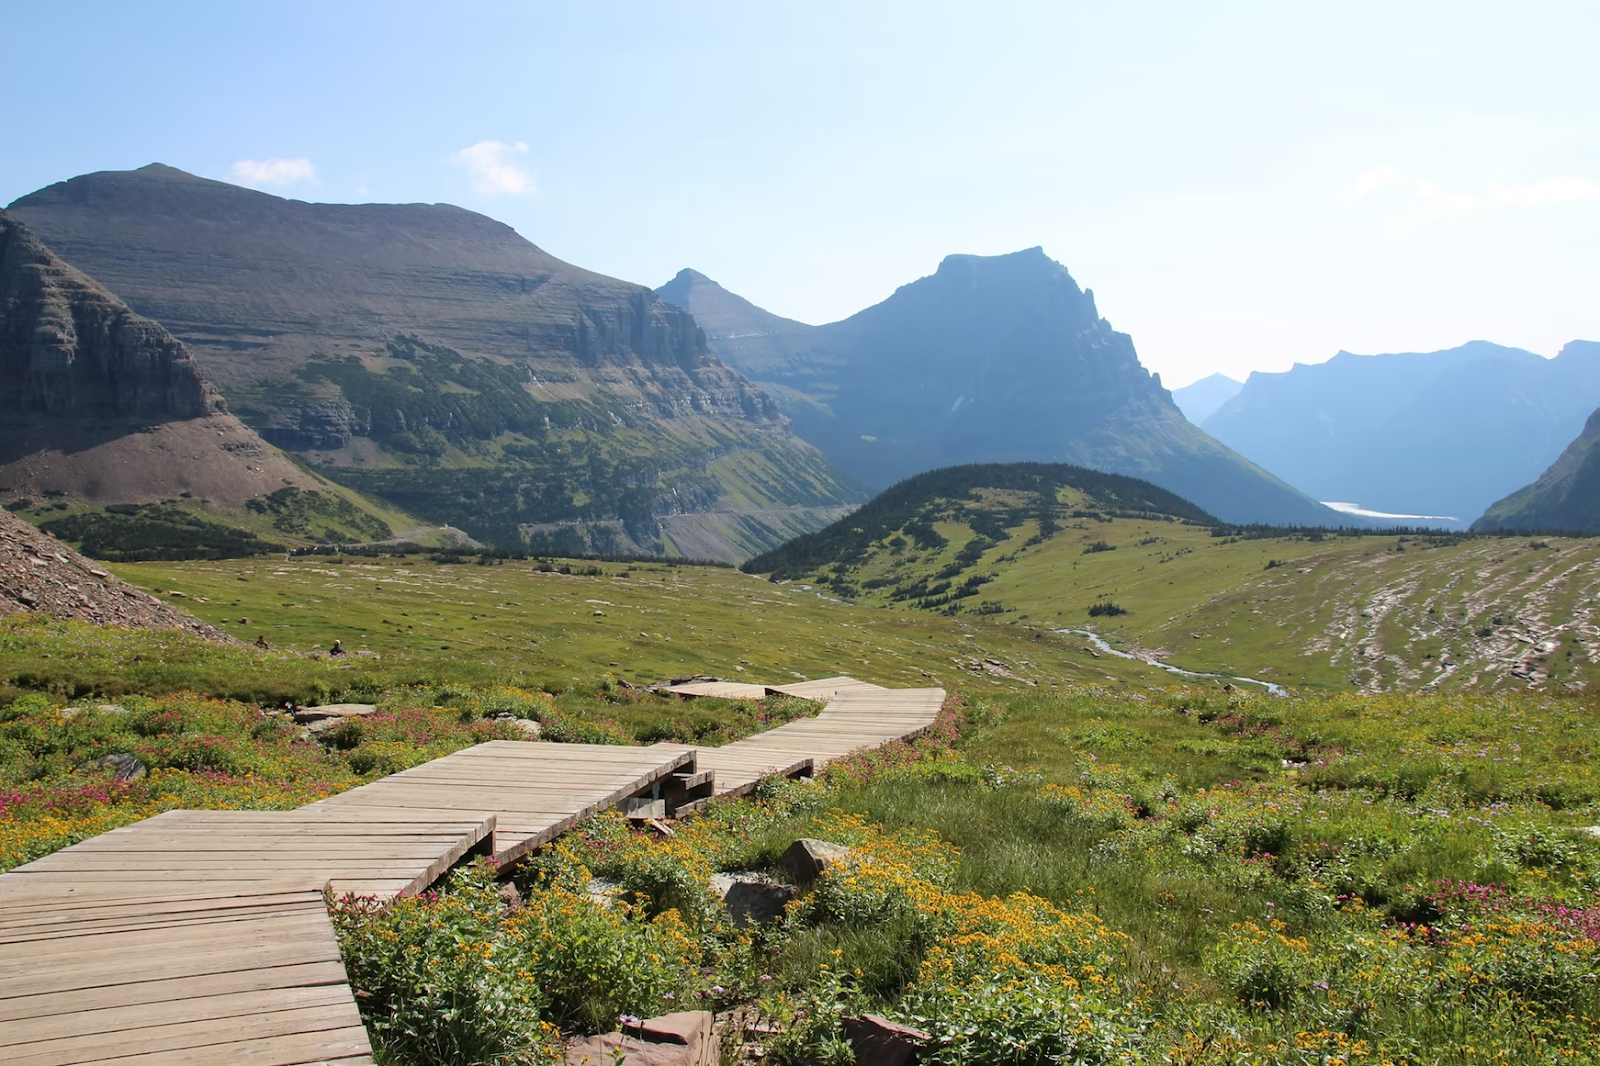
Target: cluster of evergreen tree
[[130, 533]]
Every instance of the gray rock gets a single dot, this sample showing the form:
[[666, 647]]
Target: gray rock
[[529, 727], [805, 859], [123, 766], [755, 902], [332, 711], [879, 1042], [683, 1039]]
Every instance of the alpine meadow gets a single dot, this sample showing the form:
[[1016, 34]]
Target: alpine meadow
[[429, 639]]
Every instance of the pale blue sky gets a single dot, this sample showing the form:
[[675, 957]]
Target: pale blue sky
[[1243, 185]]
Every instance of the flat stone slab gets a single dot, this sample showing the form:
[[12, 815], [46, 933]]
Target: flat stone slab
[[326, 711]]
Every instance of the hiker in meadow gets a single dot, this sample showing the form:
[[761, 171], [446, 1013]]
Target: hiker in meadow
[[337, 649]]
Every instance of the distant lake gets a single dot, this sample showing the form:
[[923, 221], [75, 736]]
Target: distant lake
[[1357, 509]]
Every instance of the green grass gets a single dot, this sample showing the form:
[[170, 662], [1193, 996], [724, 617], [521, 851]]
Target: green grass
[[1142, 877], [412, 618], [1307, 610]]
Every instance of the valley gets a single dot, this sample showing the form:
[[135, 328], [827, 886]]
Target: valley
[[1364, 611]]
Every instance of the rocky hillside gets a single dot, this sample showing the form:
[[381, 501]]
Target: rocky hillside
[[990, 359], [100, 405], [1416, 433], [433, 357], [39, 573], [1566, 497]]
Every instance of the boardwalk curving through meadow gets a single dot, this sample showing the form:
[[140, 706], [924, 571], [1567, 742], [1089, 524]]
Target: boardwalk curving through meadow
[[202, 937]]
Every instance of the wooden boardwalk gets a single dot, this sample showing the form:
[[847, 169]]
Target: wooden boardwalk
[[857, 716], [201, 937]]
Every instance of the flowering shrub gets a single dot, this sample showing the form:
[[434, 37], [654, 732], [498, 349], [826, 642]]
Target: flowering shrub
[[454, 977]]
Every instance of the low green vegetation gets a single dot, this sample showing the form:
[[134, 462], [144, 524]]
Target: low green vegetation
[[473, 443], [1315, 609], [185, 528], [414, 617], [125, 533], [1192, 876]]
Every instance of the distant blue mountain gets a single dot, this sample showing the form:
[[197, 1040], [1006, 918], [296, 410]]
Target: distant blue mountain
[[1198, 401], [1440, 433]]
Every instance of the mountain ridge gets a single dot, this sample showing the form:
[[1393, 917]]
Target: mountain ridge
[[1565, 498], [989, 359], [430, 356], [1443, 433]]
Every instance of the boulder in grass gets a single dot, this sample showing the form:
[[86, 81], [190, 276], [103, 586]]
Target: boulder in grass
[[123, 766], [757, 902], [332, 712], [877, 1041], [682, 1039], [805, 859]]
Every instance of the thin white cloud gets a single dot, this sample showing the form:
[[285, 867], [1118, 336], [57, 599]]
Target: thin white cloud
[[492, 167], [1374, 180], [1564, 189], [1561, 189], [258, 172]]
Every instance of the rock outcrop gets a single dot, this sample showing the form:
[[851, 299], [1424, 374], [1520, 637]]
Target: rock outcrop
[[69, 348], [39, 573], [991, 359]]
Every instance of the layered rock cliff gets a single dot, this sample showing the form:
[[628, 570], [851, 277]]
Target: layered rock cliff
[[101, 405], [535, 392], [70, 348]]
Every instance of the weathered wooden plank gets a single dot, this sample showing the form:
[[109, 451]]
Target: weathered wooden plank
[[136, 993]]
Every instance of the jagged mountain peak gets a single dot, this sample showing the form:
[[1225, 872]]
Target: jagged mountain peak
[[1025, 285], [988, 359]]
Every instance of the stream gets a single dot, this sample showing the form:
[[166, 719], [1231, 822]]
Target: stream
[[1100, 643]]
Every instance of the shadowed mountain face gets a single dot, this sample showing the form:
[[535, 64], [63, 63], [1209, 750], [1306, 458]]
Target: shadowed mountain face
[[101, 405], [1566, 497], [432, 356], [754, 340], [991, 359], [1198, 401], [1437, 433]]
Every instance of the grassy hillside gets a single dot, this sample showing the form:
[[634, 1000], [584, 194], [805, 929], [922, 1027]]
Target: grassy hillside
[[1324, 610], [1565, 497], [418, 619], [186, 527]]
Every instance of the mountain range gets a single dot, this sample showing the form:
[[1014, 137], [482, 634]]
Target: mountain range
[[1199, 400], [431, 357], [989, 359], [1565, 497], [1443, 433]]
